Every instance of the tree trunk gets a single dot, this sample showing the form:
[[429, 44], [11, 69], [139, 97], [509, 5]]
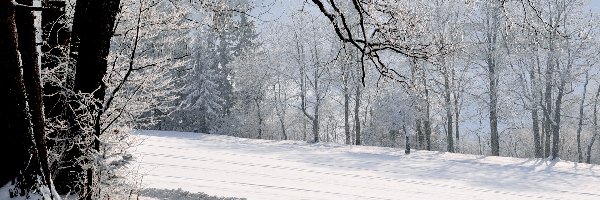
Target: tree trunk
[[260, 119], [493, 23], [556, 124], [456, 115], [25, 169], [534, 116], [346, 105], [448, 105], [406, 140], [427, 123], [548, 107], [493, 108], [580, 123], [282, 124], [564, 75], [93, 27], [356, 116], [32, 80], [420, 136], [316, 110]]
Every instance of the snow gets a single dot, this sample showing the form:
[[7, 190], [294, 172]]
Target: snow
[[43, 193], [262, 169]]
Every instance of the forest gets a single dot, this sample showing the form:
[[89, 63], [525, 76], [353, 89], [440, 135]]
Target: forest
[[486, 77]]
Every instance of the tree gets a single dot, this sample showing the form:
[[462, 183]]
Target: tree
[[580, 123], [390, 22], [595, 133], [93, 27], [27, 172]]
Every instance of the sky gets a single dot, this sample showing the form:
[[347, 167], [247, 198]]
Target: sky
[[595, 5], [272, 10], [268, 11]]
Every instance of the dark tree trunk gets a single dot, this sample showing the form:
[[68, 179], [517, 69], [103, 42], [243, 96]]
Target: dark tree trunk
[[260, 118], [548, 107], [32, 80], [346, 105], [535, 118], [493, 26], [493, 108], [580, 123], [556, 124], [406, 140], [316, 124], [420, 135], [456, 115], [93, 26], [13, 115], [427, 123], [24, 168], [356, 116], [448, 105]]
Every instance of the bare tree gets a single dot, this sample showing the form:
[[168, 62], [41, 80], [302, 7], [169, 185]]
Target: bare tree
[[580, 123], [595, 133]]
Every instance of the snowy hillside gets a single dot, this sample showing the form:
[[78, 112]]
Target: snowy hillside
[[262, 169]]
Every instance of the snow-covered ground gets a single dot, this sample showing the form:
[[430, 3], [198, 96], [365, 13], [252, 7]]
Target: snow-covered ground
[[262, 169]]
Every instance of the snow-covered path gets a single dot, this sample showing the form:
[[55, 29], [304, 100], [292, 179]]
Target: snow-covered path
[[262, 169]]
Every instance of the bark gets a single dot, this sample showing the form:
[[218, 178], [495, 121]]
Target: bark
[[282, 124], [548, 127], [534, 116], [580, 123], [356, 116], [546, 110], [420, 135], [346, 105], [493, 108], [25, 167], [260, 118], [556, 124], [406, 140], [493, 23], [456, 115], [427, 122], [536, 133], [565, 74], [93, 26], [448, 104], [316, 109], [418, 75], [32, 80]]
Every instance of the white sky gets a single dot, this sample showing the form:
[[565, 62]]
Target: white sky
[[269, 10]]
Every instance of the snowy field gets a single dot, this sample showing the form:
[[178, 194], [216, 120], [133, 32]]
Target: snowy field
[[263, 170]]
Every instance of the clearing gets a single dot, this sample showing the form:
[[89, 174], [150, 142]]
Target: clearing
[[263, 169]]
